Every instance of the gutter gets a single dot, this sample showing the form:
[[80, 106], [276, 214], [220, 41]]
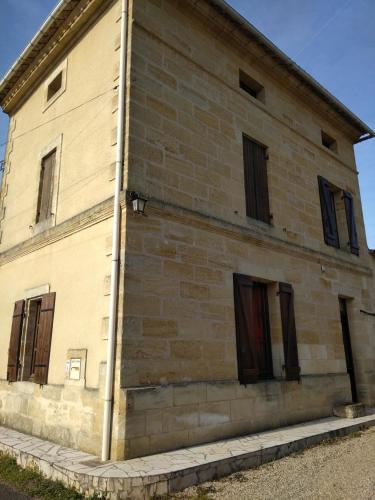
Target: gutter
[[109, 378], [364, 137]]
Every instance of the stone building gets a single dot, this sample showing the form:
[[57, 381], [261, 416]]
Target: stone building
[[242, 287]]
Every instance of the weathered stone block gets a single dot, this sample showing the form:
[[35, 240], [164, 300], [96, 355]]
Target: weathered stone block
[[350, 411]]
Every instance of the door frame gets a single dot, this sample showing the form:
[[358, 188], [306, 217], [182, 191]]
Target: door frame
[[345, 328]]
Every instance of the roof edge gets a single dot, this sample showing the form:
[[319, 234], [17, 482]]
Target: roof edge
[[36, 38], [26, 59], [323, 93]]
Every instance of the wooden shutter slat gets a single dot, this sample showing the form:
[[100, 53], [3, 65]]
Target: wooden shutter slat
[[331, 235], [256, 182], [292, 368], [350, 220], [248, 371], [15, 341], [44, 337]]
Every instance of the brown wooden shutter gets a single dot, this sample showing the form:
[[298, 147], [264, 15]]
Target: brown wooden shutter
[[292, 369], [350, 220], [256, 182], [250, 194], [45, 187], [44, 336], [327, 203], [248, 371], [15, 341]]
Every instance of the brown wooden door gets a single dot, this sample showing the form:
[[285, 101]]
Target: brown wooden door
[[348, 348]]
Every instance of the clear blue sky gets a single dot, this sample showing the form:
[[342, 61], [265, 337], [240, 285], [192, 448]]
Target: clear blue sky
[[334, 40]]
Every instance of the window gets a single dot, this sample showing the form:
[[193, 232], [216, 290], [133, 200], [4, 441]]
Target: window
[[254, 350], [30, 340], [338, 218], [251, 86], [329, 142], [288, 323], [54, 86], [256, 183], [46, 187], [253, 330]]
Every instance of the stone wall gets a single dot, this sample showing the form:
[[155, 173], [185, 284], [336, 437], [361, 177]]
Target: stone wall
[[179, 415], [187, 116], [65, 414], [179, 328], [179, 306]]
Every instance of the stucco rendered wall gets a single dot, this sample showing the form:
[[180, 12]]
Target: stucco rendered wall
[[72, 255], [82, 121], [75, 268]]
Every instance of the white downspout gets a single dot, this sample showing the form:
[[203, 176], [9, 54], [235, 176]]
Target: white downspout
[[109, 379]]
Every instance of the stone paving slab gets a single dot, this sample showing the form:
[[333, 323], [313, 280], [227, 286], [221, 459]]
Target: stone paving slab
[[171, 471]]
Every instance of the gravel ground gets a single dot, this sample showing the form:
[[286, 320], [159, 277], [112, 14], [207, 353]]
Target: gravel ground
[[8, 493], [342, 469]]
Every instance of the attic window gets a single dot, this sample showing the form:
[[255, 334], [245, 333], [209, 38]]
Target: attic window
[[251, 86], [54, 86], [329, 142]]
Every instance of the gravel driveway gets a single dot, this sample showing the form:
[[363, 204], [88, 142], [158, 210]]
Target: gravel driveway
[[8, 493], [343, 469]]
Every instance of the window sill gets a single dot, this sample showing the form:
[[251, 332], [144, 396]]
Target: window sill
[[342, 251], [259, 223], [269, 381]]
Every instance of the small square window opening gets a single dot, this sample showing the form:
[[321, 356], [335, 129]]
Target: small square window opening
[[251, 86], [329, 142], [54, 86]]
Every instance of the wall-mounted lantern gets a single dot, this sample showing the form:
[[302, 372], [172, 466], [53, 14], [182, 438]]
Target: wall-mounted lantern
[[138, 202]]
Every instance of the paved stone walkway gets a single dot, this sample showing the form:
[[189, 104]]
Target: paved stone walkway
[[171, 471]]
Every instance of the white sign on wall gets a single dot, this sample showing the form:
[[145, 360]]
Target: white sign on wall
[[75, 369]]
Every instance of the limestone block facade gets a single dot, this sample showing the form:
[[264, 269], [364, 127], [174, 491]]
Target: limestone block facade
[[177, 364]]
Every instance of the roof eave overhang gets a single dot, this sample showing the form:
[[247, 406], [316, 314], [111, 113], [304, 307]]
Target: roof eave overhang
[[39, 41], [234, 21], [62, 25], [23, 72]]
